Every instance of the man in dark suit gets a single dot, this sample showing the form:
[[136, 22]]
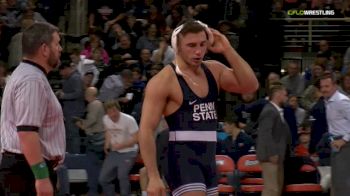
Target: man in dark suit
[[274, 141]]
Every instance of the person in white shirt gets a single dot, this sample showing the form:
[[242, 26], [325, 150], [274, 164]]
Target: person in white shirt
[[120, 147], [337, 113], [164, 54]]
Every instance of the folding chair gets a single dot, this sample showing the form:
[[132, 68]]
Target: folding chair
[[305, 188], [251, 182], [225, 167]]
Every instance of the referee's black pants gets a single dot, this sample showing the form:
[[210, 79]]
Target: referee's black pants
[[16, 177]]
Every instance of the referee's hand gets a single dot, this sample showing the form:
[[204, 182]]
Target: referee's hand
[[43, 187]]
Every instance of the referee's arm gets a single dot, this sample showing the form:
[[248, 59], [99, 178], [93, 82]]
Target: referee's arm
[[30, 145]]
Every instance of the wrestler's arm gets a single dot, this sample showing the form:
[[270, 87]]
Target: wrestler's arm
[[239, 78], [152, 109]]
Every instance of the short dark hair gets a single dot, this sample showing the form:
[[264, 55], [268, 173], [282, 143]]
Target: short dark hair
[[75, 51], [275, 87], [329, 76], [36, 35], [137, 69], [64, 64], [126, 73], [111, 104], [191, 26], [232, 120]]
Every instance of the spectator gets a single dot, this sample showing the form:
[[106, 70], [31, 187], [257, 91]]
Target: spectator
[[244, 116], [87, 80], [156, 17], [104, 13], [176, 16], [345, 84], [317, 71], [125, 51], [164, 54], [154, 70], [84, 65], [139, 82], [299, 112], [113, 37], [238, 143], [302, 149], [93, 127], [114, 86], [145, 62], [311, 95], [227, 28], [150, 39], [346, 60], [72, 97], [95, 44], [318, 119], [337, 113], [120, 147], [271, 152], [294, 81], [324, 49], [15, 46], [29, 12]]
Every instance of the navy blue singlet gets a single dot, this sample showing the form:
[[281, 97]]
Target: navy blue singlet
[[192, 140]]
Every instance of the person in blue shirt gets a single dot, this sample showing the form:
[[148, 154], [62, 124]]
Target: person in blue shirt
[[238, 143]]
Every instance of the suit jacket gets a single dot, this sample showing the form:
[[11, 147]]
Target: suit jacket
[[256, 108], [274, 137]]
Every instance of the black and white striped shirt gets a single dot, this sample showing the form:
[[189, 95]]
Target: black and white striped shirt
[[29, 103]]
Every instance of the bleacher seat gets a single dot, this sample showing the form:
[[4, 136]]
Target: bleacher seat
[[304, 188], [251, 182], [225, 167]]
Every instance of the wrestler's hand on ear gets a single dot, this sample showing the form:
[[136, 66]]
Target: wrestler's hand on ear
[[220, 42]]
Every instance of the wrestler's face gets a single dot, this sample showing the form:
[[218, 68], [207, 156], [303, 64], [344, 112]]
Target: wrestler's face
[[193, 47], [55, 51]]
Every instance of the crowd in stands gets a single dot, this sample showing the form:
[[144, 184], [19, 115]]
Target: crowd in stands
[[128, 43]]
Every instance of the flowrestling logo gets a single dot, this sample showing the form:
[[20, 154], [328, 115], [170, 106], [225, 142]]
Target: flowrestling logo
[[311, 12]]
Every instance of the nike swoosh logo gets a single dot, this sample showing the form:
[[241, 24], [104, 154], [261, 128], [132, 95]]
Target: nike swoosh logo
[[192, 102]]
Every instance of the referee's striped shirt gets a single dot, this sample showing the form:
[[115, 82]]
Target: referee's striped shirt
[[29, 103]]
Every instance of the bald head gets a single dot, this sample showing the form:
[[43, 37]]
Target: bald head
[[91, 94]]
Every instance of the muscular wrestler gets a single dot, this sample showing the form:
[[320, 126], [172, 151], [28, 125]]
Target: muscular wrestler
[[185, 92]]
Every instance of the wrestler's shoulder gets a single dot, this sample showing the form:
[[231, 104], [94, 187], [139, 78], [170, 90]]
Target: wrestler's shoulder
[[215, 67], [165, 76], [212, 63]]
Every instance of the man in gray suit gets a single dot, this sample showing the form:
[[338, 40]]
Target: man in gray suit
[[274, 140]]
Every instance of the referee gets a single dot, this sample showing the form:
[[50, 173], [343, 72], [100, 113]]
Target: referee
[[32, 128]]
